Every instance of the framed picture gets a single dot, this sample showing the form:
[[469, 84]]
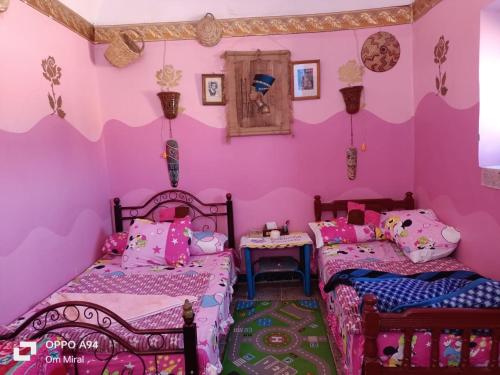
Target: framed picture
[[213, 89], [258, 93], [305, 80]]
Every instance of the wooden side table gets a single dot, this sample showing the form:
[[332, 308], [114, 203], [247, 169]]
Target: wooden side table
[[298, 240]]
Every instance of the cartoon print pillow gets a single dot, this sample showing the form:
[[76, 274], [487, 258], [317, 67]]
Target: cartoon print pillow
[[340, 231], [177, 245], [420, 235], [207, 242], [115, 243], [395, 223], [146, 244]]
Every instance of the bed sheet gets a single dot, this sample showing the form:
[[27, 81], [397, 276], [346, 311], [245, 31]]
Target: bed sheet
[[209, 277]]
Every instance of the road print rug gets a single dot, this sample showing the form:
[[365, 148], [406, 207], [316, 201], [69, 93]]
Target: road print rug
[[278, 337]]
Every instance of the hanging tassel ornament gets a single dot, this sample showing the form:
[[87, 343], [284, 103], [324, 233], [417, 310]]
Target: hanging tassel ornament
[[170, 104], [352, 158], [172, 151]]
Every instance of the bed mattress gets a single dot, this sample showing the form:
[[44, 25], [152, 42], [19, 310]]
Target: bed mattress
[[209, 278]]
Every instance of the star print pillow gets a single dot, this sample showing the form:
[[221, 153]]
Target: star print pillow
[[177, 246], [145, 244]]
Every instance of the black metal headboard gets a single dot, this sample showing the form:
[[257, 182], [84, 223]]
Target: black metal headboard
[[206, 215]]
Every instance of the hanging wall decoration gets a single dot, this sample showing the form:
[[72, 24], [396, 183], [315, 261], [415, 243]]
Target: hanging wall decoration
[[208, 31], [351, 73], [257, 93], [305, 80], [168, 77], [52, 73], [4, 5], [440, 52], [381, 52], [212, 89], [123, 49]]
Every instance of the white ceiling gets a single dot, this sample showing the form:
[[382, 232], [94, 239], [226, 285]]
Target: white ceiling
[[116, 12]]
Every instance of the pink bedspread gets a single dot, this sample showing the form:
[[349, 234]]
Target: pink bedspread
[[345, 320], [208, 277]]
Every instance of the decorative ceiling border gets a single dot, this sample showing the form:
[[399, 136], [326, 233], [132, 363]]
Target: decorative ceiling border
[[65, 16], [239, 27], [421, 7]]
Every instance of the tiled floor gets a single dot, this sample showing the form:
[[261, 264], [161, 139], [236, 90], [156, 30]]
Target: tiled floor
[[286, 290]]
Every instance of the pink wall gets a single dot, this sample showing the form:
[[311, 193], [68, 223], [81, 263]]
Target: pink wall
[[447, 174], [54, 189], [271, 177]]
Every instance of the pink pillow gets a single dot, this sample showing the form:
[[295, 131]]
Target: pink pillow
[[146, 244], [115, 243], [340, 231], [420, 235], [167, 213], [203, 243], [372, 218], [177, 251]]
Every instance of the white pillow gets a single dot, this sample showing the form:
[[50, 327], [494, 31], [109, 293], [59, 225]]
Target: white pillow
[[316, 228]]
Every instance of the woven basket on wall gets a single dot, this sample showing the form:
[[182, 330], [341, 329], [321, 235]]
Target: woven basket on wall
[[208, 31], [4, 4], [123, 50]]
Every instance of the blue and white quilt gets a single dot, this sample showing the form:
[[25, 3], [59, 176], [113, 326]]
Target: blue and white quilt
[[395, 292]]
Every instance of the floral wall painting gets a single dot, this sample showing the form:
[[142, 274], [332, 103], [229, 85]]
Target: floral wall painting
[[351, 73], [440, 52], [381, 52], [168, 77], [53, 73]]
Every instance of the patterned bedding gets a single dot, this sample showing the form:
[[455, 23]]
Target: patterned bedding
[[208, 277], [343, 308]]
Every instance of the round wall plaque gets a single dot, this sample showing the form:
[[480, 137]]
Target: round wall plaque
[[380, 52]]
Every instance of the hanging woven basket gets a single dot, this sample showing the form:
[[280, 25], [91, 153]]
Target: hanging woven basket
[[169, 103], [123, 50], [208, 31], [4, 5], [352, 98]]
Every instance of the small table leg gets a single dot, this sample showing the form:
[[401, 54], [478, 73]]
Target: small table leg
[[307, 269], [250, 279]]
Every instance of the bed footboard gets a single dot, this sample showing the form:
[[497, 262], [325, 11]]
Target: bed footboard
[[433, 320], [97, 322]]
